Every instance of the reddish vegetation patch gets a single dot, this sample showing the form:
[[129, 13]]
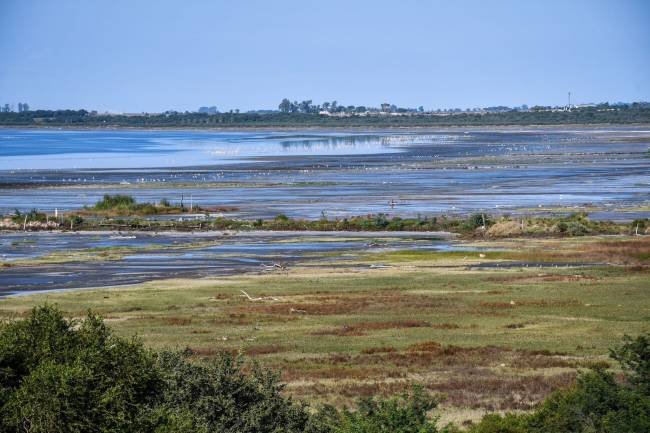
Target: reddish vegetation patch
[[541, 278], [322, 305], [232, 319], [471, 388], [362, 328], [313, 309], [178, 321], [383, 349], [629, 252], [549, 303], [265, 350], [500, 392], [427, 346], [445, 326], [241, 319], [496, 305], [342, 372]]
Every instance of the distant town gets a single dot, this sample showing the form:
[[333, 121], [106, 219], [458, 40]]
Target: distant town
[[334, 108], [306, 113]]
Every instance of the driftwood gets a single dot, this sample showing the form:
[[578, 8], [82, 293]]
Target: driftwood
[[258, 299], [274, 266]]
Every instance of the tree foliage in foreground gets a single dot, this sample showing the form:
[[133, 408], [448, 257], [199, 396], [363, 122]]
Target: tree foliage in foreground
[[67, 376], [59, 375]]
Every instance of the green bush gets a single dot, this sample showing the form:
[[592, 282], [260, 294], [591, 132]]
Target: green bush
[[509, 423], [32, 215], [109, 202], [574, 228], [639, 225], [477, 220], [66, 376], [407, 414], [59, 375], [634, 357], [217, 396]]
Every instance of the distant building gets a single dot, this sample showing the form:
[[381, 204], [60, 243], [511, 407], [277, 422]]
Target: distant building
[[208, 110]]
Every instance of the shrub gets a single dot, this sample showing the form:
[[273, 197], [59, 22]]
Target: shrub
[[217, 396], [109, 202], [639, 225], [634, 357], [32, 215], [477, 220], [574, 228], [407, 414], [508, 423], [61, 375]]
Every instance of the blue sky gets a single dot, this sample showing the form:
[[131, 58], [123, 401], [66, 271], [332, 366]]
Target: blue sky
[[155, 55]]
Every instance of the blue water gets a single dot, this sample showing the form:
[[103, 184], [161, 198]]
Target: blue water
[[340, 173], [65, 149]]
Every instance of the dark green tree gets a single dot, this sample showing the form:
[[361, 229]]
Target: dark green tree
[[285, 105]]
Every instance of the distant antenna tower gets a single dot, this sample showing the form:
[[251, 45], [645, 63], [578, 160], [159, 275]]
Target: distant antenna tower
[[569, 101]]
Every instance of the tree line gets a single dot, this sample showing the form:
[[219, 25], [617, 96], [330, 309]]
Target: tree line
[[307, 117], [307, 106]]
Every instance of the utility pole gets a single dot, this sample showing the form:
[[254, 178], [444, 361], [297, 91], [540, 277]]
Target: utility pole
[[569, 101]]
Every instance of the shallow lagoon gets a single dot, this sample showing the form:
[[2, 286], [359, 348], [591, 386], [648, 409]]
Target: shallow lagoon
[[340, 173], [148, 256]]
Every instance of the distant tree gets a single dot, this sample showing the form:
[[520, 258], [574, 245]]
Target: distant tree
[[385, 107], [326, 106], [305, 106], [285, 105]]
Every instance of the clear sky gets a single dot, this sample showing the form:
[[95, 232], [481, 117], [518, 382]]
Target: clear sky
[[137, 55]]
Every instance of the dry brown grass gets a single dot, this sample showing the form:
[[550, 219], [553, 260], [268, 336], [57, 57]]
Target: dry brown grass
[[498, 393], [178, 321], [383, 349], [629, 252], [327, 305], [265, 349], [474, 388]]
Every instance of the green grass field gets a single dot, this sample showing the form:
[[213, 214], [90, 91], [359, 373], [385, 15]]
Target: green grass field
[[486, 339]]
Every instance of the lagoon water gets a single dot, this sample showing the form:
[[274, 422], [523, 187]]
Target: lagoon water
[[149, 256], [339, 173]]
